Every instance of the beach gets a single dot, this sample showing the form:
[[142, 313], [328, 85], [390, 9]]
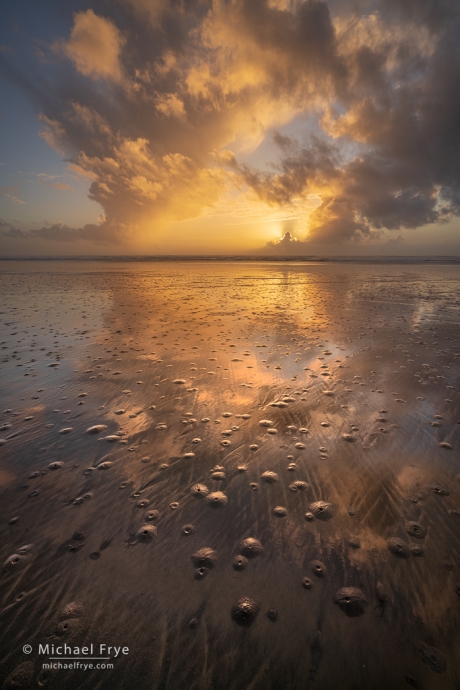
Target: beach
[[155, 416]]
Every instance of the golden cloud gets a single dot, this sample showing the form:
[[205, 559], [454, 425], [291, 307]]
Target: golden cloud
[[172, 99], [94, 46]]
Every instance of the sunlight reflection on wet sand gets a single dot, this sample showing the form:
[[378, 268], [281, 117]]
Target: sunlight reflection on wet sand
[[355, 370]]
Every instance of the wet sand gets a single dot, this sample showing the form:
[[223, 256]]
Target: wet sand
[[248, 474]]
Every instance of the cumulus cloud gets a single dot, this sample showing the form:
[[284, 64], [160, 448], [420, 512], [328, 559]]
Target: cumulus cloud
[[170, 105], [94, 46], [53, 133], [171, 97], [288, 245], [386, 159], [103, 234], [395, 243]]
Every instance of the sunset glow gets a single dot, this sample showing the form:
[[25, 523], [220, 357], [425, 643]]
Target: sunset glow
[[218, 126]]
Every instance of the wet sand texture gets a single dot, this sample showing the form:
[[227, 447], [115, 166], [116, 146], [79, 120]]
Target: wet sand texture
[[246, 473]]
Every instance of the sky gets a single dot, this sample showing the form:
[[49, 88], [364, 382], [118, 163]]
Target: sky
[[246, 127]]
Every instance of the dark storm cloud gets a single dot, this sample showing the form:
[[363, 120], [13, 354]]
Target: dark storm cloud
[[433, 15], [404, 129], [152, 100]]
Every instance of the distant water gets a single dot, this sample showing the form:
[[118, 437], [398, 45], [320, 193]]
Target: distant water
[[245, 472], [251, 258]]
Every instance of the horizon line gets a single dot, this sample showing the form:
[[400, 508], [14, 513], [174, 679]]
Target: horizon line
[[237, 257]]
